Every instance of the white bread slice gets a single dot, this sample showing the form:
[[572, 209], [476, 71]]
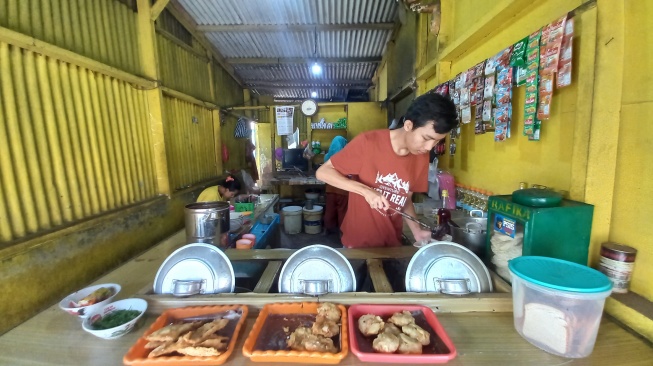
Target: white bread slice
[[546, 325]]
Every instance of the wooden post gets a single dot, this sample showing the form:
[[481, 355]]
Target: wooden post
[[147, 53]]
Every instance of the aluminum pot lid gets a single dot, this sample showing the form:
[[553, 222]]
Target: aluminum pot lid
[[447, 267], [315, 270], [202, 263]]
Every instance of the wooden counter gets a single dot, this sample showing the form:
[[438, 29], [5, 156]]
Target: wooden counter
[[480, 326]]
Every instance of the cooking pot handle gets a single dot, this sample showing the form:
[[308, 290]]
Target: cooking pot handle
[[187, 287], [315, 287], [473, 228], [471, 213], [453, 286]]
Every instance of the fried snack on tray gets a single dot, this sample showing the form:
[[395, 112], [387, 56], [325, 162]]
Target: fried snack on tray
[[370, 324], [325, 327], [415, 331], [191, 339], [391, 329], [401, 319], [317, 338], [329, 311], [171, 332], [302, 339], [386, 343], [409, 345]]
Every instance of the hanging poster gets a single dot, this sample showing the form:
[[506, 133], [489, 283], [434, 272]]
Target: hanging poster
[[284, 120]]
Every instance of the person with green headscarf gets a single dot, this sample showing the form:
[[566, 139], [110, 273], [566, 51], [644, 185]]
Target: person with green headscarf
[[336, 198]]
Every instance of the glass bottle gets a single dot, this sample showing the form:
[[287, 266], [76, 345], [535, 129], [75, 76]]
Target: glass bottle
[[442, 231]]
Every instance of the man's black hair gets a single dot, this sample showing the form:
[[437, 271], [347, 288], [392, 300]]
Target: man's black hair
[[433, 107]]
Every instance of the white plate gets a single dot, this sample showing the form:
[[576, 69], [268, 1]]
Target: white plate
[[447, 267], [317, 263], [200, 262]]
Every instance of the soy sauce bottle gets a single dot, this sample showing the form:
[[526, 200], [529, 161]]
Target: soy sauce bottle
[[442, 230]]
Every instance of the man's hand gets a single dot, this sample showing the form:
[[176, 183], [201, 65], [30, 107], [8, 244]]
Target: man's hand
[[376, 200], [422, 235]]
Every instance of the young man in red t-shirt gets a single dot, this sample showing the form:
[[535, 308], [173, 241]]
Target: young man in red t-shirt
[[390, 166]]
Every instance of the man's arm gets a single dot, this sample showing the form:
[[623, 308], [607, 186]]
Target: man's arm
[[328, 174]]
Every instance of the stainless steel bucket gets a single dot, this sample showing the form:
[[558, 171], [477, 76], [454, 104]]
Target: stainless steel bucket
[[207, 222]]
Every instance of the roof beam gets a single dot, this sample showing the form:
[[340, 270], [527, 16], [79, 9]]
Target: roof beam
[[293, 27], [299, 60], [299, 83], [157, 8]]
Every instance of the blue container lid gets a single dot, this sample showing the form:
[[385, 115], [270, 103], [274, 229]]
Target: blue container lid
[[559, 274]]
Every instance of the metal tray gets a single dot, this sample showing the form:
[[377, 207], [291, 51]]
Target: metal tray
[[202, 268], [316, 270], [449, 268]]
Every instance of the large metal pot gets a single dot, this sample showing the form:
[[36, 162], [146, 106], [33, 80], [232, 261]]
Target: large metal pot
[[471, 233], [207, 222]]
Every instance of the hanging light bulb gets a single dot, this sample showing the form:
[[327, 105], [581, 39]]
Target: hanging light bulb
[[313, 94], [316, 69]]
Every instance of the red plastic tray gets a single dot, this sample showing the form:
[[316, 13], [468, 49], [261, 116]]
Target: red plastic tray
[[440, 350]]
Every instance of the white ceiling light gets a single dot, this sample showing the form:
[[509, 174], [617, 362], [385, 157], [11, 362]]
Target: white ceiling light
[[316, 69], [313, 94]]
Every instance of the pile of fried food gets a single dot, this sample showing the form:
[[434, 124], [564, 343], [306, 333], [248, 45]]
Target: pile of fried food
[[398, 334], [318, 337], [197, 338]]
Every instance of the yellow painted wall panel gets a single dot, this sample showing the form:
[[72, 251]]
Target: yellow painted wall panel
[[77, 139], [365, 117], [638, 53], [468, 12], [517, 159], [100, 29], [633, 205], [189, 143]]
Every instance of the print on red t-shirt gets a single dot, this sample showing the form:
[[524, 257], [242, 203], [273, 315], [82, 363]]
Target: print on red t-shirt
[[371, 158]]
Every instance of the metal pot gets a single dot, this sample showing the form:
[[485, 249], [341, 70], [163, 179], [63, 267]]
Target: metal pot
[[206, 221], [471, 233]]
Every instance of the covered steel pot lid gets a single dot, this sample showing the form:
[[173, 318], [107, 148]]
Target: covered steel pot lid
[[315, 270], [194, 266], [449, 268]]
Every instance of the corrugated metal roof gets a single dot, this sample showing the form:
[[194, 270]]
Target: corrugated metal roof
[[250, 50], [227, 12]]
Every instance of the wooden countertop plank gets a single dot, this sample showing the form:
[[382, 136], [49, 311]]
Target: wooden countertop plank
[[267, 278], [378, 276]]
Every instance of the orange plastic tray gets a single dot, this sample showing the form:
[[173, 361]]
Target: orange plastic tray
[[137, 354], [290, 355]]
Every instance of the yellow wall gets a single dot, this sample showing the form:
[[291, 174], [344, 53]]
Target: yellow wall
[[634, 174], [90, 147], [596, 144]]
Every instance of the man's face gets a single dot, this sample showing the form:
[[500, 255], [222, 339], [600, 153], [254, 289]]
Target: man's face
[[422, 139]]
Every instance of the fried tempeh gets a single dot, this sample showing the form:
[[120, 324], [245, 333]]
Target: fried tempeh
[[170, 333], [199, 351], [207, 330]]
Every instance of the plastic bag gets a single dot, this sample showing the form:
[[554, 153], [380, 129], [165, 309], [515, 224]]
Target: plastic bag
[[308, 153], [434, 186]]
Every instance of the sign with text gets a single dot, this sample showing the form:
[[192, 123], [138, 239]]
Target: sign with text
[[284, 120]]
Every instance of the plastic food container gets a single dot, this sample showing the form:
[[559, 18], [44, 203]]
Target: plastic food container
[[267, 340], [137, 354], [557, 304], [440, 350]]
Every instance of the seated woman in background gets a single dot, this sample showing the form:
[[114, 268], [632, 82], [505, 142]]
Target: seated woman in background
[[336, 198], [224, 191]]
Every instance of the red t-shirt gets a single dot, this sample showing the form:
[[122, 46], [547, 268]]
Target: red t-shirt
[[371, 158]]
